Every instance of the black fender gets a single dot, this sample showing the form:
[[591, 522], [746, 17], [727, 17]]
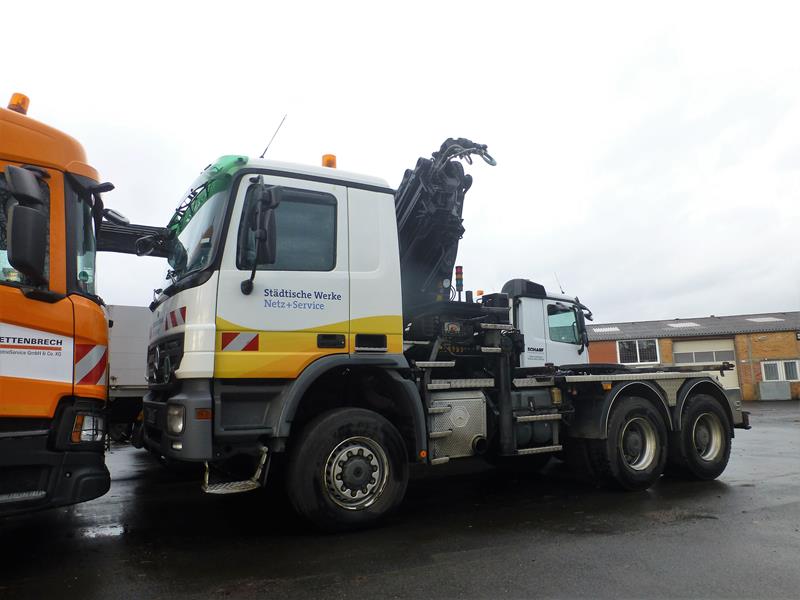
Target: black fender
[[591, 419], [702, 385], [404, 391]]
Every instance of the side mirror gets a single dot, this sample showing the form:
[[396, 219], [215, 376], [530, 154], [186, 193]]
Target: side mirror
[[266, 239], [265, 199], [112, 216], [24, 186], [583, 334], [177, 255], [27, 241]]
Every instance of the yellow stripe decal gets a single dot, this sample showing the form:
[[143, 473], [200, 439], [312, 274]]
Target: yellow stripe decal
[[284, 354]]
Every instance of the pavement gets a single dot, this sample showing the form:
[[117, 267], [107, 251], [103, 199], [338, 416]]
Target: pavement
[[465, 530]]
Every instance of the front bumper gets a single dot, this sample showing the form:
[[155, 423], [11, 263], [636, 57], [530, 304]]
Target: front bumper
[[194, 443], [33, 477]]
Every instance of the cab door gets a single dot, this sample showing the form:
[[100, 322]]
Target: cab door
[[563, 335], [298, 310], [36, 335]]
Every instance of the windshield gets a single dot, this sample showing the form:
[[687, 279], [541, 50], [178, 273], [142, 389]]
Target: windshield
[[197, 222], [194, 248]]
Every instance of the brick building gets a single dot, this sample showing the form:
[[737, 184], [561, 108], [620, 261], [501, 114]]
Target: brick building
[[765, 349]]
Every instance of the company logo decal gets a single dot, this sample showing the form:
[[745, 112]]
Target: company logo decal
[[34, 354], [239, 342], [8, 342], [286, 299]]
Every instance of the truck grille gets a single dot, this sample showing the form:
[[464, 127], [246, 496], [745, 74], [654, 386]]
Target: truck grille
[[163, 359]]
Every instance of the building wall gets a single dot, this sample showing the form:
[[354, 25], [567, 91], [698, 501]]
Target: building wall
[[603, 352], [752, 348], [606, 351]]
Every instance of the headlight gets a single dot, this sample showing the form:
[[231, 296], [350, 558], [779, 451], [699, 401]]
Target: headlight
[[87, 428], [175, 418]]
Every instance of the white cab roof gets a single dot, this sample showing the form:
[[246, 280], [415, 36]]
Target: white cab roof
[[314, 171]]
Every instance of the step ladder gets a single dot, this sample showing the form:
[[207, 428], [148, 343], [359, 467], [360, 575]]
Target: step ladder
[[236, 487], [22, 496], [539, 418]]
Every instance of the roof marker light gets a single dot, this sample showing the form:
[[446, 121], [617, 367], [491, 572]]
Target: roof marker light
[[19, 103], [329, 160]]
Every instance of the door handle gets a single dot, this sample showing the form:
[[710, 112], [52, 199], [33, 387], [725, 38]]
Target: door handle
[[330, 340]]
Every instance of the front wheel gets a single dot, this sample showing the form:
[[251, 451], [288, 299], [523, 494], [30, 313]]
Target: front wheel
[[701, 449], [348, 469], [635, 452]]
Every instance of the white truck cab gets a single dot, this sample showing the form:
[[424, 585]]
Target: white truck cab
[[553, 325]]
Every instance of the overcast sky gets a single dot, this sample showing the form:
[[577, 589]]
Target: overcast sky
[[649, 155]]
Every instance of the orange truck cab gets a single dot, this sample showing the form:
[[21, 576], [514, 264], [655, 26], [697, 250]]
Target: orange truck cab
[[53, 328]]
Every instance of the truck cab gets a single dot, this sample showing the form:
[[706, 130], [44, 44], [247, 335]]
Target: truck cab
[[53, 331], [554, 325]]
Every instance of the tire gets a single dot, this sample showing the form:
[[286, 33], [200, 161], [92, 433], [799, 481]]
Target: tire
[[634, 454], [702, 447], [348, 470]]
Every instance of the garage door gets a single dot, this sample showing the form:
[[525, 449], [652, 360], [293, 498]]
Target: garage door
[[706, 352]]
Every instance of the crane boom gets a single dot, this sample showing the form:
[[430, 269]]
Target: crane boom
[[428, 205]]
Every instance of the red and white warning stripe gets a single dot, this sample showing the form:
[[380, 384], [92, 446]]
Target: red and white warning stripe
[[90, 364], [175, 317], [240, 342]]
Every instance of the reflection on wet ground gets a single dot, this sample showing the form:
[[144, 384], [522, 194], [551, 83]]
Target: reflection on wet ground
[[464, 530]]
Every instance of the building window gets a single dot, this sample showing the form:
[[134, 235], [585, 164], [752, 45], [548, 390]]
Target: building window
[[685, 358], [637, 351], [780, 370]]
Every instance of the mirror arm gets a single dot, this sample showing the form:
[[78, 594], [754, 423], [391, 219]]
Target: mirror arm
[[247, 285]]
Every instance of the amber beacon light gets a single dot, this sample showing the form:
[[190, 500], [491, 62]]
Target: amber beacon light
[[19, 103], [329, 160]]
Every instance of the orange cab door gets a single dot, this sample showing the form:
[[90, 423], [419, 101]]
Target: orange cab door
[[36, 335]]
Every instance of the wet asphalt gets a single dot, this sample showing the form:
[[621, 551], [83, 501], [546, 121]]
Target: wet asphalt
[[464, 531]]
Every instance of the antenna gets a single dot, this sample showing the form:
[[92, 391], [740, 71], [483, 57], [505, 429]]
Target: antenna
[[273, 135], [558, 282]]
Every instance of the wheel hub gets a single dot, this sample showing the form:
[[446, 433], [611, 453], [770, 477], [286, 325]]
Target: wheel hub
[[708, 436], [638, 444], [633, 443], [356, 470]]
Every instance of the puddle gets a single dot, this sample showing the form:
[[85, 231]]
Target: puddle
[[102, 531]]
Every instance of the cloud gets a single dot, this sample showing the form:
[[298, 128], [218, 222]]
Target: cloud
[[648, 155]]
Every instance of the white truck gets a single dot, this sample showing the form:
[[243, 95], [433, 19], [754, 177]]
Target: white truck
[[311, 315], [128, 339]]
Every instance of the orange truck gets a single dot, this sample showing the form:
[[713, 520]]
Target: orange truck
[[53, 327]]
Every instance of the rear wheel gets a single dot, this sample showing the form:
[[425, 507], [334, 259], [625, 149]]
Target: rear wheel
[[347, 470], [702, 447], [635, 452]]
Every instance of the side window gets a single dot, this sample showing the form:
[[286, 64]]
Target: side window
[[7, 272], [305, 226], [562, 324]]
